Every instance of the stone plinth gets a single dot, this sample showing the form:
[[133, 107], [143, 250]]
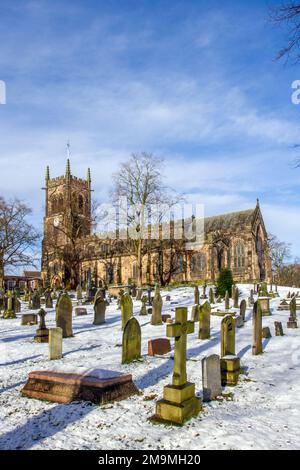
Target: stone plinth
[[96, 385], [179, 404], [230, 369], [29, 319]]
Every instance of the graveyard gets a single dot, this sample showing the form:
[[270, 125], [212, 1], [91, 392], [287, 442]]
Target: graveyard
[[260, 412]]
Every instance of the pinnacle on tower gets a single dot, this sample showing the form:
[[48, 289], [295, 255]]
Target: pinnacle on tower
[[89, 179], [47, 177], [68, 169]]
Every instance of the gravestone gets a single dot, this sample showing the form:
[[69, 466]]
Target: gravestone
[[266, 333], [156, 308], [230, 363], [251, 299], [211, 296], [243, 308], [204, 296], [126, 306], [257, 347], [98, 386], [196, 295], [168, 298], [264, 303], [131, 342], [9, 312], [211, 377], [55, 343], [204, 321], [236, 298], [48, 300], [278, 329], [292, 323], [143, 310], [64, 315], [179, 402], [35, 301], [239, 321], [80, 311], [42, 333], [17, 305], [29, 319], [195, 313], [227, 300], [159, 346], [79, 295], [99, 311], [139, 293]]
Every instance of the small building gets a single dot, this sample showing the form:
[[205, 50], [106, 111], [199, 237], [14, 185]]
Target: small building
[[29, 279]]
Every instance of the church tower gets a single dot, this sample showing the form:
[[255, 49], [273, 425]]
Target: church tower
[[67, 220]]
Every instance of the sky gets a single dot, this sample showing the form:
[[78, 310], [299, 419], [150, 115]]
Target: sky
[[194, 82]]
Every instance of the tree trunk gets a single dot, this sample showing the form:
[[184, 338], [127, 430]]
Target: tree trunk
[[1, 272]]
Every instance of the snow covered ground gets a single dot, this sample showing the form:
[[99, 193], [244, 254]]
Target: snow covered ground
[[263, 411]]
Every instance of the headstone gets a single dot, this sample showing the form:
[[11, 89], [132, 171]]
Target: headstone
[[292, 323], [204, 296], [278, 329], [195, 313], [196, 295], [168, 298], [35, 301], [264, 303], [9, 312], [257, 347], [99, 311], [243, 308], [236, 298], [211, 296], [165, 317], [55, 343], [131, 343], [126, 306], [139, 293], [42, 333], [227, 300], [17, 305], [29, 319], [98, 386], [204, 321], [143, 310], [239, 321], [179, 403], [48, 300], [266, 333], [211, 377], [80, 311], [159, 346], [156, 308], [64, 315], [79, 295], [228, 336]]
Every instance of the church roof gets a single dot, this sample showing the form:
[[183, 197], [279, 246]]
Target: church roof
[[230, 220]]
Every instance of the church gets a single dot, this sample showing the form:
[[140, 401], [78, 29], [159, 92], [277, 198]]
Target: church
[[72, 254]]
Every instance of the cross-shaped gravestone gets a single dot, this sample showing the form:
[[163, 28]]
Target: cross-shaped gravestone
[[179, 403], [179, 330]]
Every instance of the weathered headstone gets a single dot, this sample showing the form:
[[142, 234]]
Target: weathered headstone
[[278, 329], [48, 299], [179, 403], [196, 295], [257, 347], [64, 315], [42, 333], [35, 301], [55, 343], [159, 346], [230, 363], [143, 310], [156, 308], [239, 321], [243, 308], [99, 311], [266, 332], [195, 313], [211, 296], [9, 312], [126, 306], [227, 300], [264, 303], [79, 295], [29, 319], [211, 377], [292, 323], [236, 298], [204, 321], [80, 311], [131, 343]]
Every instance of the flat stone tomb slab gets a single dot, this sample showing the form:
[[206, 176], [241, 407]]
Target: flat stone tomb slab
[[96, 385]]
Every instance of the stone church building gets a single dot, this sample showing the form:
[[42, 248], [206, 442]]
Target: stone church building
[[72, 254]]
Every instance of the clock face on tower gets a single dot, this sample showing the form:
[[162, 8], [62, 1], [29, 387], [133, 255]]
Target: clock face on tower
[[56, 222]]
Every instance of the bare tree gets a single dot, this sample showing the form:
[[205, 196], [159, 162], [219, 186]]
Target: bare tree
[[18, 239], [288, 14], [280, 252], [139, 182]]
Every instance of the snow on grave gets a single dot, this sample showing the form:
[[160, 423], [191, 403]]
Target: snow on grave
[[64, 385]]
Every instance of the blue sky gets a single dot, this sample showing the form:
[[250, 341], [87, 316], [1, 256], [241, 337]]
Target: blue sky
[[193, 81]]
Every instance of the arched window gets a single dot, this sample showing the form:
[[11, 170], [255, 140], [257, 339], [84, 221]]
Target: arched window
[[178, 263], [53, 203], [239, 255], [60, 203], [198, 263], [134, 270]]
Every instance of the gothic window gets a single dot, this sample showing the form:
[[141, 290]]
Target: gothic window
[[110, 273], [60, 203], [53, 203], [198, 263], [134, 270], [239, 255], [178, 263]]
